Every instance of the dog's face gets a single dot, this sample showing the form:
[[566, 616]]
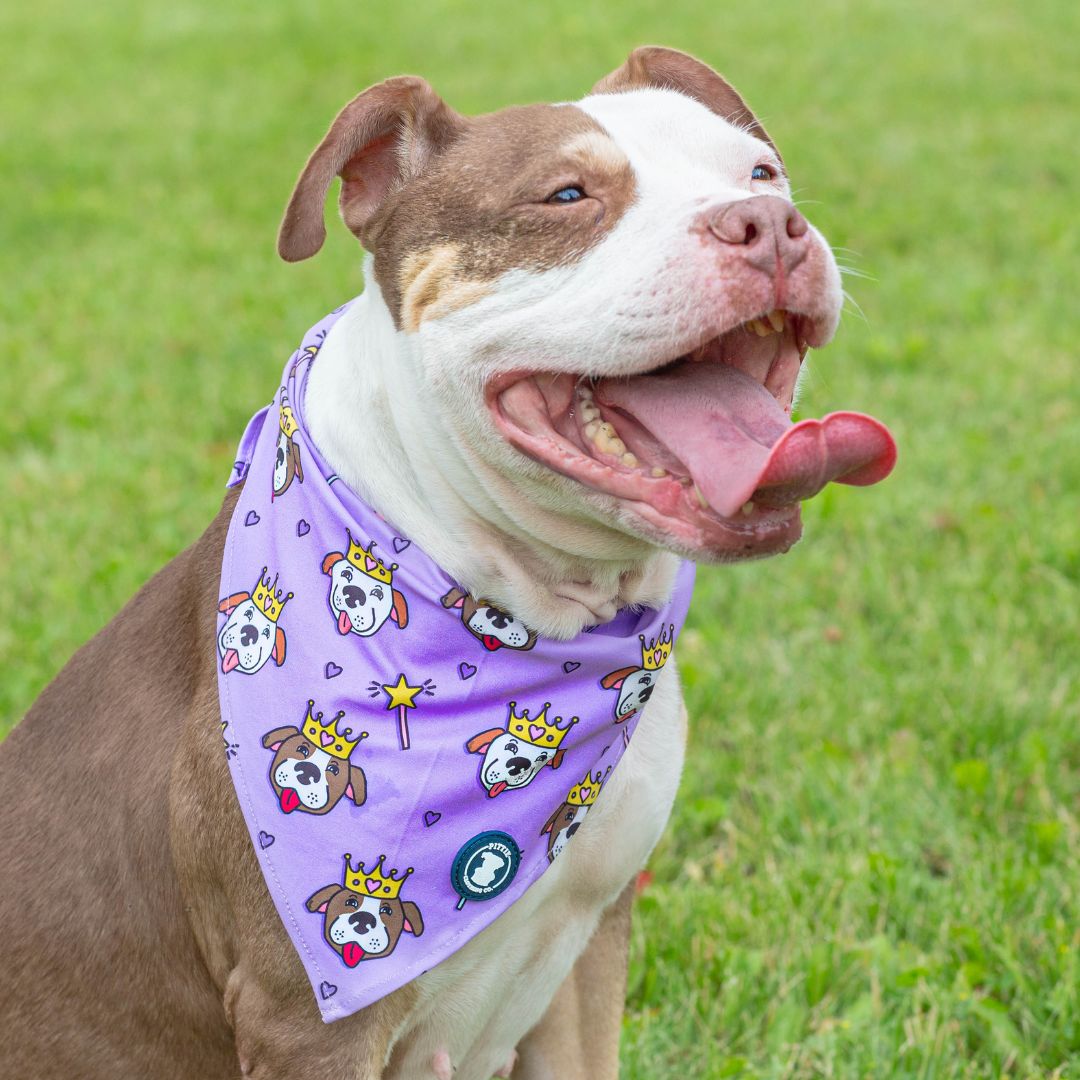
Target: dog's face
[[491, 626], [248, 639], [360, 603], [561, 826], [607, 303], [287, 466], [634, 686], [359, 927], [510, 762], [307, 778]]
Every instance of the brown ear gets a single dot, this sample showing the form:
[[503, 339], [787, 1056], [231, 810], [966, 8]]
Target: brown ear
[[414, 921], [357, 789], [227, 605], [478, 744], [670, 69], [318, 901], [454, 598], [273, 739], [383, 137], [550, 823], [614, 679]]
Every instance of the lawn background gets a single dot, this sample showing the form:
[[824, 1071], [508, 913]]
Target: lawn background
[[872, 870]]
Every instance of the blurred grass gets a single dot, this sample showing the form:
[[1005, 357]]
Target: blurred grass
[[873, 866]]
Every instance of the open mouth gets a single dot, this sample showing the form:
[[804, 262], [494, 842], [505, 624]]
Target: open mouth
[[702, 448]]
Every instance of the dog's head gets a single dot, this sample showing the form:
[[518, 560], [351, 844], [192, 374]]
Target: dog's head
[[288, 465], [250, 635], [365, 918], [362, 596], [491, 626], [607, 303], [311, 771], [561, 826], [635, 687], [514, 755]]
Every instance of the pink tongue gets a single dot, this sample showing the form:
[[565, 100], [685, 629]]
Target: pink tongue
[[737, 442]]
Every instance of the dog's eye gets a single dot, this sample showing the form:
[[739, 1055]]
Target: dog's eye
[[763, 172], [512, 747], [566, 195], [541, 758], [352, 902], [386, 909], [347, 575], [332, 769], [303, 750], [377, 592]]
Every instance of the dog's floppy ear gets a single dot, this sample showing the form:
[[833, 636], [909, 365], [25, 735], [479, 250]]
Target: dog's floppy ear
[[318, 901], [614, 679], [273, 739], [382, 138], [331, 560], [357, 789], [670, 69], [278, 651], [399, 610], [478, 744], [227, 606], [556, 759], [455, 598], [414, 921], [298, 465], [550, 823]]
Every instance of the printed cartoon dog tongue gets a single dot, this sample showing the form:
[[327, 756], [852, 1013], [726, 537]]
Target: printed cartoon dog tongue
[[736, 441]]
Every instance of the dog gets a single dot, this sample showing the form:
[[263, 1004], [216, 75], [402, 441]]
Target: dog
[[573, 364], [568, 816], [514, 755], [362, 595], [635, 684], [288, 465], [492, 627], [311, 771], [363, 918]]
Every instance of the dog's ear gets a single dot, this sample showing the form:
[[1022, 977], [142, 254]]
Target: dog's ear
[[278, 651], [331, 560], [478, 744], [550, 823], [273, 739], [357, 789], [556, 760], [318, 901], [381, 139], [530, 641], [669, 69], [455, 598], [230, 603], [297, 463], [399, 612], [414, 921], [614, 679]]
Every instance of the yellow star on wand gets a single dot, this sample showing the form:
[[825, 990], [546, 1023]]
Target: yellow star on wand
[[402, 697]]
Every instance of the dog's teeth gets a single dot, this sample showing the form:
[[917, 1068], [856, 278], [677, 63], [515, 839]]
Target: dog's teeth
[[657, 472], [616, 446], [629, 460], [776, 320], [589, 412], [685, 481], [761, 328], [585, 392], [747, 508], [592, 428], [702, 501]]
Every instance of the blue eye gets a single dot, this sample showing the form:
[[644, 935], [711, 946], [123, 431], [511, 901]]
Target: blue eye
[[567, 195], [762, 172]]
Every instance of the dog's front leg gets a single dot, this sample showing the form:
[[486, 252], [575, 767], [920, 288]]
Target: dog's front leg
[[279, 1035], [578, 1036]]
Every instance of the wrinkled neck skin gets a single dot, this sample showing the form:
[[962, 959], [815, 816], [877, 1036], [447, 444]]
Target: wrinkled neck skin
[[508, 536]]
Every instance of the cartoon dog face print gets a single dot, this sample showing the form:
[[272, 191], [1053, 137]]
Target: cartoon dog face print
[[491, 626], [287, 464], [567, 818], [364, 918], [311, 771], [514, 756], [362, 597], [635, 684], [635, 687], [251, 634]]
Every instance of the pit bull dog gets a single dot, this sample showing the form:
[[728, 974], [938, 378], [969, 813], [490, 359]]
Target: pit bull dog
[[492, 627], [514, 756], [573, 362]]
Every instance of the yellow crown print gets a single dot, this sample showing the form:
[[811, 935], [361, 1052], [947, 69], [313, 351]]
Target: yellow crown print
[[373, 882], [536, 729], [267, 596], [336, 741], [584, 794], [654, 654], [364, 561], [286, 419]]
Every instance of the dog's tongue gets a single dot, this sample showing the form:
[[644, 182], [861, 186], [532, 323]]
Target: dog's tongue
[[289, 800], [738, 443], [344, 623], [352, 954]]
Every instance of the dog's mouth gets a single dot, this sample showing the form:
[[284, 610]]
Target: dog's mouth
[[701, 449], [352, 954]]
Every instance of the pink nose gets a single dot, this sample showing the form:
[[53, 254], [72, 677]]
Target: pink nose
[[768, 230]]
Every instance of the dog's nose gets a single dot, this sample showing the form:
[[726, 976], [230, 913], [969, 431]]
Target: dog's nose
[[307, 772], [573, 829], [248, 634], [517, 765], [768, 230], [354, 595], [363, 922]]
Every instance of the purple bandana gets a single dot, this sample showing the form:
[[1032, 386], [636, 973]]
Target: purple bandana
[[409, 758]]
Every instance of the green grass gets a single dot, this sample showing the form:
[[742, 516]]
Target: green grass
[[873, 866]]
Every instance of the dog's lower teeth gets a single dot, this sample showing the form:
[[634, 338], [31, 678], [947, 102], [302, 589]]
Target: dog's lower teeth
[[702, 501], [657, 472], [776, 320], [592, 429], [589, 412], [629, 460], [747, 508]]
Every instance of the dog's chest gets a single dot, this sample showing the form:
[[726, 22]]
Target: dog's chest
[[481, 1001]]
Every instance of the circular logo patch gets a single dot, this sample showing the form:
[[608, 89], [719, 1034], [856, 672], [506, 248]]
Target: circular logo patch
[[484, 866]]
